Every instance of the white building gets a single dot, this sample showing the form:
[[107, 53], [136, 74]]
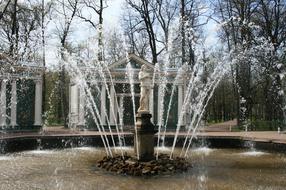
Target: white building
[[118, 109], [20, 95]]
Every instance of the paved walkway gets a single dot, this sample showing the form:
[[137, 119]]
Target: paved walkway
[[223, 126], [262, 136]]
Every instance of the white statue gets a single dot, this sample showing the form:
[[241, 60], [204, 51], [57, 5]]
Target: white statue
[[145, 78]]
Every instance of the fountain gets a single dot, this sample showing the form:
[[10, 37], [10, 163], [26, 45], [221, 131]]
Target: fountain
[[102, 159], [145, 162], [163, 160]]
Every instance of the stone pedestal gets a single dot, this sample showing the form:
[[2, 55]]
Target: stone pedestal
[[145, 134]]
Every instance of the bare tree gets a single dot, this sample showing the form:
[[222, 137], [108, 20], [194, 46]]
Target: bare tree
[[19, 29], [93, 8], [165, 12], [67, 9], [248, 26], [114, 47], [194, 16], [237, 15], [137, 38], [45, 12], [2, 12], [271, 19], [14, 30], [146, 12], [182, 30]]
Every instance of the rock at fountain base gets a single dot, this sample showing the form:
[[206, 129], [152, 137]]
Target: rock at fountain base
[[144, 140], [131, 166]]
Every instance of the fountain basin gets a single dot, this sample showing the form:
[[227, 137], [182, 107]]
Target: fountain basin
[[227, 163], [76, 169], [22, 142]]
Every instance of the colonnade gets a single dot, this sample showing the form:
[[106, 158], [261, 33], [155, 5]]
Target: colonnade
[[113, 105], [3, 103], [78, 104]]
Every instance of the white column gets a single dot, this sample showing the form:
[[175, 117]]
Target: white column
[[71, 118], [121, 110], [74, 104], [151, 104], [81, 107], [111, 106], [70, 106], [102, 104], [38, 103], [158, 104], [3, 103], [180, 100], [116, 108], [14, 104], [185, 89]]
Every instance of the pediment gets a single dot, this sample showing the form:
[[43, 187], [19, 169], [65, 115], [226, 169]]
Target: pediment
[[135, 61], [22, 69]]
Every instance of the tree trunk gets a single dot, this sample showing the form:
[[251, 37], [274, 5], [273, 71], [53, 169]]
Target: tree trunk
[[14, 35], [183, 35], [63, 94], [44, 57], [100, 42]]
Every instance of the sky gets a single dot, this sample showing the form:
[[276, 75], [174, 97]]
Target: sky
[[115, 9], [111, 20], [82, 31], [112, 14]]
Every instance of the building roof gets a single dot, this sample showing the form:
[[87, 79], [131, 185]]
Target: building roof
[[10, 68], [122, 63]]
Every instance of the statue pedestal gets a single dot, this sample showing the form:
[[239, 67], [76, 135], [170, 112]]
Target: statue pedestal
[[145, 134]]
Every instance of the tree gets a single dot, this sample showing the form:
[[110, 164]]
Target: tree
[[271, 19], [45, 12], [4, 8], [20, 28], [165, 12], [254, 31], [237, 16], [93, 8], [136, 38], [67, 9], [114, 47], [146, 13]]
